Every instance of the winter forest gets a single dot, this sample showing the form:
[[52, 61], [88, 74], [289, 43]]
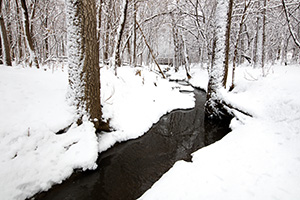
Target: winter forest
[[149, 99]]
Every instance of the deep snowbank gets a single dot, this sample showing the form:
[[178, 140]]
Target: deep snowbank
[[260, 158], [33, 108]]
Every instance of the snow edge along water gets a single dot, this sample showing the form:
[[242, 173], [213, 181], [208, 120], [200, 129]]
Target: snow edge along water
[[259, 158], [33, 157]]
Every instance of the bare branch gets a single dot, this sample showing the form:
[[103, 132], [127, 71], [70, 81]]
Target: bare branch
[[293, 34]]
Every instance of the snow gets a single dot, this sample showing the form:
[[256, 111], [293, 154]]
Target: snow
[[199, 76], [134, 103], [33, 107], [259, 158], [76, 55]]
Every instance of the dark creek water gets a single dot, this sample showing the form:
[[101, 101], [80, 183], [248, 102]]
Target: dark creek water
[[128, 169]]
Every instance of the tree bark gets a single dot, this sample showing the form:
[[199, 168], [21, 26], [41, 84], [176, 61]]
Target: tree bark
[[134, 63], [176, 43], [99, 15], [46, 36], [186, 57], [259, 53], [19, 49], [117, 55], [4, 40], [33, 58], [214, 109], [106, 50], [227, 42], [83, 60], [263, 54]]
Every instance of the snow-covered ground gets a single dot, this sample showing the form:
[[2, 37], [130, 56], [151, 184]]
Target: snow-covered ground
[[135, 102], [33, 108], [260, 158]]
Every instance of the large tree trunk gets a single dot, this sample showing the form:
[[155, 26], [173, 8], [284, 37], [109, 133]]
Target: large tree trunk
[[83, 60], [213, 106], [4, 40], [29, 42]]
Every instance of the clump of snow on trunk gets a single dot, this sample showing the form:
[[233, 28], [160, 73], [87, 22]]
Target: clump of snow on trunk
[[75, 56], [216, 71]]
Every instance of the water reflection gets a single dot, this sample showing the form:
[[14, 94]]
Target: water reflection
[[128, 169]]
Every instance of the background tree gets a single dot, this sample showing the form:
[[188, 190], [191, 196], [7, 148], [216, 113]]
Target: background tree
[[227, 41], [237, 41], [134, 34], [174, 30], [33, 57], [4, 40], [120, 31]]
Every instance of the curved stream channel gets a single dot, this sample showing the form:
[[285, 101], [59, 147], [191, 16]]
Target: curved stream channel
[[128, 169]]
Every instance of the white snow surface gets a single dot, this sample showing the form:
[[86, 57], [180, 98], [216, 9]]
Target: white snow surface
[[259, 158], [134, 103], [33, 107], [199, 76]]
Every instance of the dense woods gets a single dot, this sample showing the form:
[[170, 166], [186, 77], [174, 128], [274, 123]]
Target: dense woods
[[169, 27], [139, 32]]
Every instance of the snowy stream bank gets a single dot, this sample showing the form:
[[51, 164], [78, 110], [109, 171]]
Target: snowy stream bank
[[33, 107], [128, 169], [260, 158]]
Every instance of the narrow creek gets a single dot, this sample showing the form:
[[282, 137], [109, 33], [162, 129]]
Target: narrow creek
[[128, 169]]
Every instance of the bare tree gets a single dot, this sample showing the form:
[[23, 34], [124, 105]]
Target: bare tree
[[29, 41], [134, 34], [4, 40], [116, 54], [176, 43], [227, 42], [239, 35], [107, 32], [192, 20], [263, 51]]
